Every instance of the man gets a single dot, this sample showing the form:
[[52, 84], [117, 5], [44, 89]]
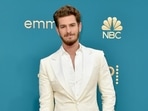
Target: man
[[69, 77]]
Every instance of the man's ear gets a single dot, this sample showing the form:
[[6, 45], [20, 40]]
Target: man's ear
[[80, 26], [57, 30]]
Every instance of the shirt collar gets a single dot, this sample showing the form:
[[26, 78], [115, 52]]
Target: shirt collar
[[78, 51]]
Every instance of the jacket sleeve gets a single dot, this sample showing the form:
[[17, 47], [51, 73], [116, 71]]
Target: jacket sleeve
[[45, 90], [106, 87]]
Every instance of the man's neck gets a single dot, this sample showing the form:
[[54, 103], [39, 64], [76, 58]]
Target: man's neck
[[71, 49]]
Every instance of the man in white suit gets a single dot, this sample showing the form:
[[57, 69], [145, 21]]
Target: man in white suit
[[68, 78]]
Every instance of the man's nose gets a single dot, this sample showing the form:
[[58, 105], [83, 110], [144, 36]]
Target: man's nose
[[68, 29]]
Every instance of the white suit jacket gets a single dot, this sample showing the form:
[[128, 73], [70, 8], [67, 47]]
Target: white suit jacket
[[55, 95]]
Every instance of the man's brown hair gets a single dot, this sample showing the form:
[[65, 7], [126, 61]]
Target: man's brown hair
[[66, 11]]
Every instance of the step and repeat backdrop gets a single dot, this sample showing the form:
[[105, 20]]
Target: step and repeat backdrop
[[27, 34]]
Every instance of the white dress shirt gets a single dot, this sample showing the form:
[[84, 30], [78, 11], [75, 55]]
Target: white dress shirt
[[72, 76]]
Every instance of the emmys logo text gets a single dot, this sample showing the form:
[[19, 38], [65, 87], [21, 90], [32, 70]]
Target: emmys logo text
[[39, 24]]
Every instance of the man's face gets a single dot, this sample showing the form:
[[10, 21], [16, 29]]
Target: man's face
[[68, 29]]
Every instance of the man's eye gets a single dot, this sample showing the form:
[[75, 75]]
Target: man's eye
[[72, 25], [62, 27]]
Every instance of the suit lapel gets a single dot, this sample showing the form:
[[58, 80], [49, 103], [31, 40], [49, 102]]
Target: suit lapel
[[57, 67], [87, 69]]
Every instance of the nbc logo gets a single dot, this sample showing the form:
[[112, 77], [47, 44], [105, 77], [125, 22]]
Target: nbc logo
[[112, 28]]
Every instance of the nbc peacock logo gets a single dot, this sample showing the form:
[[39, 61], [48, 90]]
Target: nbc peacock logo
[[111, 28]]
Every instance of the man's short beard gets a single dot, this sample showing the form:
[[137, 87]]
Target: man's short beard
[[70, 43]]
